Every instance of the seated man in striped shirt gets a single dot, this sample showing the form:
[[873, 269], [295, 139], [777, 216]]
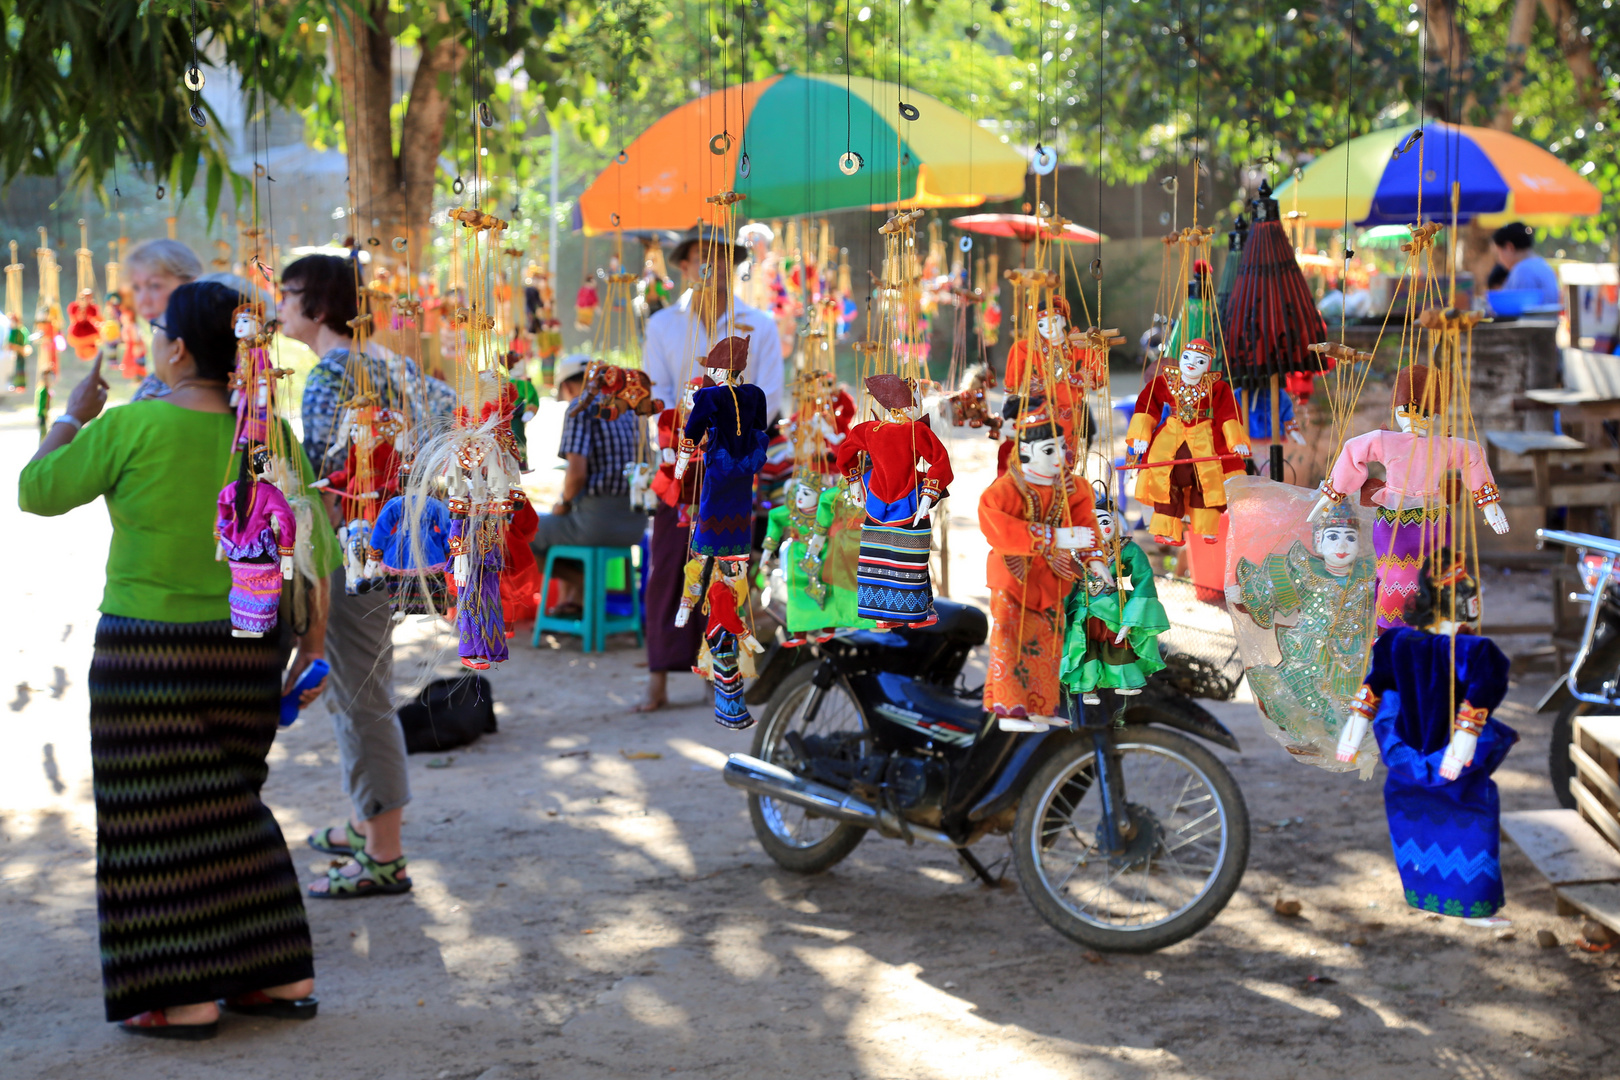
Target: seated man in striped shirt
[[595, 507]]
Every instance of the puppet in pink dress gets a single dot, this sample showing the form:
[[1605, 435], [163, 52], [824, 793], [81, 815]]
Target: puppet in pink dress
[[1412, 521], [256, 534]]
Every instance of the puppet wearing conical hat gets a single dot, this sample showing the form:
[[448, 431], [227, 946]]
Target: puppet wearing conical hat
[[1038, 519], [1413, 519], [728, 420], [879, 460], [1202, 427]]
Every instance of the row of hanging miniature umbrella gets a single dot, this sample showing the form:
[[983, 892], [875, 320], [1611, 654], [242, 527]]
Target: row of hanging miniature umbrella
[[1391, 176], [800, 144]]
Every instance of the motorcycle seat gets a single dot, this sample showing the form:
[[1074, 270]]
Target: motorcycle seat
[[959, 622]]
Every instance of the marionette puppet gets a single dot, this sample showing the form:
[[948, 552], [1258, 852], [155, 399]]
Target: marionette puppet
[[728, 421], [253, 382], [880, 460], [797, 546], [1319, 605], [1186, 455], [1428, 697], [369, 477], [1038, 519], [586, 301], [1413, 518], [411, 561], [1060, 369], [480, 502], [17, 345], [670, 491], [726, 656], [84, 325], [526, 404], [1112, 641], [255, 533]]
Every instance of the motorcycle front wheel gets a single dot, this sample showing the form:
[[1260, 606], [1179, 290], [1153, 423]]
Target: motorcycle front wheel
[[1187, 854], [793, 837]]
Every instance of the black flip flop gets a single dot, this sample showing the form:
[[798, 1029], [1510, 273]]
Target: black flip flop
[[259, 1003]]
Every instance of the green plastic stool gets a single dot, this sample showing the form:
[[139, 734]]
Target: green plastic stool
[[594, 624]]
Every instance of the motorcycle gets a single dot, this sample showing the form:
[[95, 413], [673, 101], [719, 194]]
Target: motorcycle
[[1127, 834], [1593, 680]]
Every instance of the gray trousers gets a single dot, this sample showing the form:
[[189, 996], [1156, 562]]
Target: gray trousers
[[596, 521], [359, 695]]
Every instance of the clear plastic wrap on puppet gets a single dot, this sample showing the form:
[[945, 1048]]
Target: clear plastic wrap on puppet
[[255, 533], [479, 468], [1301, 599]]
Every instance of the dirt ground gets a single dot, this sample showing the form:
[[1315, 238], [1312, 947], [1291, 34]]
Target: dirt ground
[[578, 913]]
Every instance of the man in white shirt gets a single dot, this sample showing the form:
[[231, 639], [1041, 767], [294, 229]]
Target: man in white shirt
[[675, 335]]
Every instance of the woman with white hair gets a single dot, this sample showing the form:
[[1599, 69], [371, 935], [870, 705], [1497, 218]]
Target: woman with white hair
[[156, 268]]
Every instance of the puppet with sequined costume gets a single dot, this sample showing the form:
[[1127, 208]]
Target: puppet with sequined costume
[[728, 421], [1428, 697], [1413, 519], [412, 561], [879, 459], [480, 503], [1112, 640], [797, 540], [726, 656], [256, 535], [1202, 426], [1038, 519], [1319, 605], [1061, 369]]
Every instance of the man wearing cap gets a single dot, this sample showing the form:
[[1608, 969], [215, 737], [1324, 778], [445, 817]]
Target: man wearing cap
[[679, 336], [1514, 245], [594, 510]]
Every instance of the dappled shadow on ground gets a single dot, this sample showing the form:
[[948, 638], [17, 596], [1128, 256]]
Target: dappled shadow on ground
[[583, 913]]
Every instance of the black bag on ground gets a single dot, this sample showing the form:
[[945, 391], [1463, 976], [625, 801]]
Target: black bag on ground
[[448, 713]]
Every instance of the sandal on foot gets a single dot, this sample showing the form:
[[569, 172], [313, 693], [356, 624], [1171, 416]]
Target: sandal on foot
[[154, 1024], [322, 841], [259, 1003], [374, 877]]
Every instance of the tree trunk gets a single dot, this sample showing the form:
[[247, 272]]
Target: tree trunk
[[1518, 44], [1577, 53], [391, 193], [1450, 94]]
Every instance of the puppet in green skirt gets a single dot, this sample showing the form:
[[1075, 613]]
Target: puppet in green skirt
[[804, 534], [1112, 641]]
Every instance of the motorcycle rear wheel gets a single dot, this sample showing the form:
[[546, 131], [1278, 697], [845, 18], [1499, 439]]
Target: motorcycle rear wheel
[[1189, 855], [794, 838]]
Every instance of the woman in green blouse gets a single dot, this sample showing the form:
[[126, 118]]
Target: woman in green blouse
[[196, 896]]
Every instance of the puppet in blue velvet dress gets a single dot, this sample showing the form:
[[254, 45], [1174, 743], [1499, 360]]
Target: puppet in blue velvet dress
[[728, 419], [1429, 694]]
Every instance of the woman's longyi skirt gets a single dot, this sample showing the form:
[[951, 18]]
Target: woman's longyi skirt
[[891, 579], [195, 892]]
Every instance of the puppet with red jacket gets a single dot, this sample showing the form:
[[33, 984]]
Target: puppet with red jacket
[[880, 460], [727, 642], [1201, 427]]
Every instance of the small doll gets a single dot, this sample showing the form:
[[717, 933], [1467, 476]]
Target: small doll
[[1428, 696], [526, 404], [1036, 518], [480, 503], [17, 345], [412, 561], [670, 491], [1320, 606], [728, 420], [585, 304], [728, 644], [1413, 516], [84, 325], [253, 382], [371, 437], [1201, 426], [255, 532], [879, 460], [798, 536], [1112, 640], [133, 363]]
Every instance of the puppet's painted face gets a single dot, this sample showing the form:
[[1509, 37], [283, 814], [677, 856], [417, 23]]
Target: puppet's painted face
[[1411, 419], [1051, 325], [1337, 545], [689, 395], [805, 498], [246, 325], [1194, 365], [731, 569], [1107, 528], [1041, 460], [721, 376]]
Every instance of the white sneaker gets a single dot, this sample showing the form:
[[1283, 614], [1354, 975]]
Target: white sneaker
[[1127, 692], [1091, 699]]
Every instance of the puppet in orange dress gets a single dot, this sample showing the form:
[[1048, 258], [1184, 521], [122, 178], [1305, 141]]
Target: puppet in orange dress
[[1202, 425], [1039, 520], [1059, 369]]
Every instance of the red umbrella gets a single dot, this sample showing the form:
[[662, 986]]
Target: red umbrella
[[1024, 228]]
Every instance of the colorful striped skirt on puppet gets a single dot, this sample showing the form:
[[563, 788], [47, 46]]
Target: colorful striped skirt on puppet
[[891, 580]]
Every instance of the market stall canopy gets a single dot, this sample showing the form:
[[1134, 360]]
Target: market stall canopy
[[794, 129], [1023, 227], [1376, 179]]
